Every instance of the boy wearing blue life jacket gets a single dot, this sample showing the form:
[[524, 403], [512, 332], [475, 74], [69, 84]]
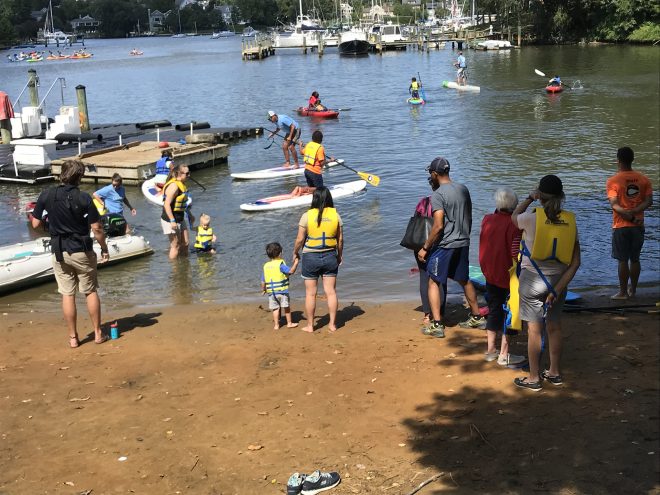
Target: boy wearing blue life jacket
[[275, 283]]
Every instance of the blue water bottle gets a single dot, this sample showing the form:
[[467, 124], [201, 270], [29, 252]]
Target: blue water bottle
[[114, 330]]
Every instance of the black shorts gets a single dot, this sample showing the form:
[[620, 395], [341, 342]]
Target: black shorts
[[496, 297], [313, 180], [627, 243], [296, 136]]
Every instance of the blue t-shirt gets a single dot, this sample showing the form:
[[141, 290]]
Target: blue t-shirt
[[285, 121], [461, 61], [113, 199]]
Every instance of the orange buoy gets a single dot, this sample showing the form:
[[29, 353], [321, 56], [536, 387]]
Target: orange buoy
[[163, 144]]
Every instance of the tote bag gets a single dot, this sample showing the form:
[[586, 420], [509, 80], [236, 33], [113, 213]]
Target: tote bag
[[419, 226]]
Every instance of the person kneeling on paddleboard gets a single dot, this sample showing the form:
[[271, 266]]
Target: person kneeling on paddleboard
[[314, 157], [413, 89], [292, 135]]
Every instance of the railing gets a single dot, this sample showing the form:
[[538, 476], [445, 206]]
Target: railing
[[62, 82], [23, 91]]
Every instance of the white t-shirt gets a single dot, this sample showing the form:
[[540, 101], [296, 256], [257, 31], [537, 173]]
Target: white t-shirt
[[527, 223]]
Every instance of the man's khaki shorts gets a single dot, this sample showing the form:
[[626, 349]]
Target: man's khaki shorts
[[76, 272], [167, 227]]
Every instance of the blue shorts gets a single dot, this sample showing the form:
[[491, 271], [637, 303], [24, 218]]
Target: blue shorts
[[315, 265], [453, 263], [313, 180]]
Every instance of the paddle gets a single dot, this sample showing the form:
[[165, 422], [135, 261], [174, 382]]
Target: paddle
[[200, 185], [372, 179], [421, 87], [542, 74]]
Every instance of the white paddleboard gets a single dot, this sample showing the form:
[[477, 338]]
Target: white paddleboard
[[273, 173], [289, 201], [155, 195], [453, 85]]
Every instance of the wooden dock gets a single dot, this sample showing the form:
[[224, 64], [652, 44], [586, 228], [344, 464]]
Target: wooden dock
[[257, 48]]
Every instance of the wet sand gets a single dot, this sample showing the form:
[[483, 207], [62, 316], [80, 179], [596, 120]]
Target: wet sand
[[211, 400]]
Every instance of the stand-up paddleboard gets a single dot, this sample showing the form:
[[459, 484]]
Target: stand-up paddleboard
[[289, 201], [154, 194], [274, 173], [415, 101], [467, 87], [479, 281]]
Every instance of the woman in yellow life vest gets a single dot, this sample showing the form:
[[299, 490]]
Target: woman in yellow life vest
[[321, 240], [205, 236], [550, 258], [314, 158], [173, 217]]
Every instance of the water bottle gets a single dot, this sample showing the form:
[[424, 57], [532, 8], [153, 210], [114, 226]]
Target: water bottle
[[114, 330]]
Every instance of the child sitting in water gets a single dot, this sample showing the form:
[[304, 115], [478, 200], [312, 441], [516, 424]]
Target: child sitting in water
[[205, 236], [275, 283]]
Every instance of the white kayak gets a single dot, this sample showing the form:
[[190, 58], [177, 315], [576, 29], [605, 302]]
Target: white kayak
[[275, 172], [154, 194], [289, 201], [29, 263], [467, 87]]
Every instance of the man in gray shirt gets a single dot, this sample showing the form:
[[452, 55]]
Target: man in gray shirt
[[448, 246]]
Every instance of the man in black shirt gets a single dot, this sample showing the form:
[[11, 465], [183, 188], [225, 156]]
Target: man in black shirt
[[71, 213]]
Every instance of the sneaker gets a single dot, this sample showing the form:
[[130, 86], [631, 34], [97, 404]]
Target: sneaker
[[491, 356], [619, 296], [318, 482], [555, 380], [510, 359], [474, 321], [523, 383], [435, 329], [295, 484]]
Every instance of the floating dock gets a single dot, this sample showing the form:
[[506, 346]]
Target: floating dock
[[257, 48]]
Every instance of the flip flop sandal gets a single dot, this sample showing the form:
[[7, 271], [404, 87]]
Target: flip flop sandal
[[103, 338], [73, 342]]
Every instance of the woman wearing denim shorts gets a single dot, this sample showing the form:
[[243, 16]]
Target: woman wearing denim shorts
[[321, 239]]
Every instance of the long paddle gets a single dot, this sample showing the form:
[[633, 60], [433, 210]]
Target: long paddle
[[542, 74], [372, 179], [200, 185], [421, 87]]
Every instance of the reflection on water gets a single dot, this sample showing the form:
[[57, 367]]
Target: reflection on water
[[512, 133]]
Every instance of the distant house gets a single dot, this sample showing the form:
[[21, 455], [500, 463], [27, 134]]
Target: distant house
[[346, 10], [156, 20], [225, 11], [85, 24]]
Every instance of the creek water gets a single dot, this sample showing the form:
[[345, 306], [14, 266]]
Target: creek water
[[512, 133]]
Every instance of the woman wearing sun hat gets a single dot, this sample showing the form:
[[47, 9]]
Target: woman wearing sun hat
[[551, 257]]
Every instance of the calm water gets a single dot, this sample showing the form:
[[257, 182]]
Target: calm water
[[510, 134]]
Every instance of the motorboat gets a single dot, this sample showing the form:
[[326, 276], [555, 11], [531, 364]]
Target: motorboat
[[249, 32], [494, 45], [26, 264], [223, 34], [388, 33], [353, 43]]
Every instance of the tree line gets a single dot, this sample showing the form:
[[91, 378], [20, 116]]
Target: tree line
[[541, 21]]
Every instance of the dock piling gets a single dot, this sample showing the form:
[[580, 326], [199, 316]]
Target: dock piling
[[83, 113], [33, 85]]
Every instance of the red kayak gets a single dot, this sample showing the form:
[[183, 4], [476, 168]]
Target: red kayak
[[553, 89], [319, 114]]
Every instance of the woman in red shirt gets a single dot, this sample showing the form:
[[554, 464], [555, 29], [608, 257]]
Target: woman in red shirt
[[315, 102]]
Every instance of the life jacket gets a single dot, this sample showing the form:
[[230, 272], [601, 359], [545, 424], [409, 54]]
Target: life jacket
[[163, 166], [554, 241], [313, 101], [181, 200], [204, 237], [414, 85], [310, 154], [276, 281], [512, 307], [325, 235]]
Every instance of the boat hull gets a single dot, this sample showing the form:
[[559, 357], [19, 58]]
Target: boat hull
[[553, 89], [354, 47], [318, 114]]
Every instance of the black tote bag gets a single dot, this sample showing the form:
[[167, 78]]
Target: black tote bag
[[417, 232]]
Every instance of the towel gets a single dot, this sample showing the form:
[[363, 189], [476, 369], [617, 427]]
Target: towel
[[6, 110]]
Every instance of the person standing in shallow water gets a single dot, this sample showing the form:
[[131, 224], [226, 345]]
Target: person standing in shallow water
[[630, 194]]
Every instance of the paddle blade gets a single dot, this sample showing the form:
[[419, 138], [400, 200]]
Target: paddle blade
[[372, 179], [538, 72]]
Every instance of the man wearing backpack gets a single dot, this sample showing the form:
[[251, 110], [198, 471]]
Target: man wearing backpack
[[71, 213]]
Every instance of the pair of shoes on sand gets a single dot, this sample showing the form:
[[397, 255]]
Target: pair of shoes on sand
[[75, 342], [317, 482], [524, 382]]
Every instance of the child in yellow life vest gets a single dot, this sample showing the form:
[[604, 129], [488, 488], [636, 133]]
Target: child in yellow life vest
[[205, 236], [275, 283], [413, 89]]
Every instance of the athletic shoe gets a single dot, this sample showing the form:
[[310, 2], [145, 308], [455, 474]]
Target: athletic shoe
[[295, 484], [523, 383], [474, 321], [435, 329], [491, 356], [619, 297], [510, 359], [555, 380], [318, 482]]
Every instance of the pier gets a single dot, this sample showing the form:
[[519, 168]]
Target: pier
[[257, 48]]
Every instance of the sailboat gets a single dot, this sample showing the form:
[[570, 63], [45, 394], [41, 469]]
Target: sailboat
[[50, 35], [179, 34]]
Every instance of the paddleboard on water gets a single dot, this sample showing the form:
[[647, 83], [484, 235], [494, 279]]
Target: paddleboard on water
[[467, 87], [275, 172], [415, 101], [479, 281], [154, 194], [289, 201]]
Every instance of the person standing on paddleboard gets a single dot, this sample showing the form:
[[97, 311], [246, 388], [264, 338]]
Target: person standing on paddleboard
[[292, 129], [461, 66], [413, 89], [314, 158]]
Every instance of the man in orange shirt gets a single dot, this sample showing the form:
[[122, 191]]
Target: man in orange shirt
[[629, 194]]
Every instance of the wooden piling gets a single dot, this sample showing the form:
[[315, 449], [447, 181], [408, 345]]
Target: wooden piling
[[321, 44], [33, 82], [83, 113]]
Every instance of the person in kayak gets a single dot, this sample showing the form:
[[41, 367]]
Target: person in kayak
[[314, 158], [555, 81], [292, 129], [414, 87], [315, 103], [461, 69]]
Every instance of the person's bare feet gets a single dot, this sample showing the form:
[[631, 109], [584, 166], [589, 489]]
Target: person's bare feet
[[73, 341], [332, 328], [291, 325], [308, 329], [286, 165], [276, 327]]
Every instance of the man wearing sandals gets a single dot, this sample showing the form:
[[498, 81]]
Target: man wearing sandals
[[71, 213]]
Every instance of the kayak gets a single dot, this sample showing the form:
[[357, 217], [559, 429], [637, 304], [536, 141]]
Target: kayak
[[454, 85], [289, 201], [554, 89], [274, 173], [416, 101], [319, 114], [155, 195]]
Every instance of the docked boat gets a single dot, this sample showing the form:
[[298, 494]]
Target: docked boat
[[494, 45], [249, 32], [319, 114], [223, 34], [353, 43], [27, 264], [387, 33]]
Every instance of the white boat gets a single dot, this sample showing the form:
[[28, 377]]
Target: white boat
[[223, 34], [154, 194], [275, 172], [50, 35], [289, 201], [388, 33], [353, 42], [249, 32], [26, 264], [494, 45]]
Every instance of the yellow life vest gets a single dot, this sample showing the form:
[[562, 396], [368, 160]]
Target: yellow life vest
[[324, 236], [181, 200], [414, 85], [310, 154], [554, 241], [514, 298], [276, 281], [204, 237]]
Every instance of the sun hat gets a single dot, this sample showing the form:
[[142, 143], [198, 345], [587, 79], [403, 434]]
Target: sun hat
[[551, 184], [439, 165]]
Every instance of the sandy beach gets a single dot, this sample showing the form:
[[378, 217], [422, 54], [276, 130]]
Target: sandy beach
[[211, 400]]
